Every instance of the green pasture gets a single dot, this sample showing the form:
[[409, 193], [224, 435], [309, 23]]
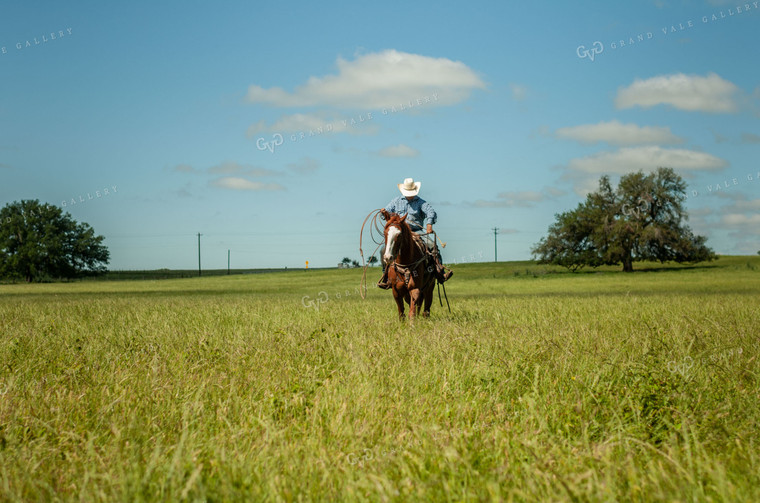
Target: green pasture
[[540, 385]]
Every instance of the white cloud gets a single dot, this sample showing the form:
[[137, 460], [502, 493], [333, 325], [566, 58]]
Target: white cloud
[[629, 159], [231, 167], [616, 133], [583, 185], [237, 183], [739, 219], [741, 204], [554, 192], [585, 172], [184, 168], [312, 124], [292, 123], [519, 199], [752, 205], [378, 80], [400, 150], [519, 93], [742, 218], [750, 138], [684, 92], [523, 199]]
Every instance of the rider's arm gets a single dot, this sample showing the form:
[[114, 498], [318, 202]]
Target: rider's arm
[[391, 207], [430, 216]]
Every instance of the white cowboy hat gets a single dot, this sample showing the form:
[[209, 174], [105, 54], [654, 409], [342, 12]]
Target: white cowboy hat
[[409, 187]]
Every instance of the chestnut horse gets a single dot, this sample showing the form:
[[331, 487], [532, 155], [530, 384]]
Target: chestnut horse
[[408, 272]]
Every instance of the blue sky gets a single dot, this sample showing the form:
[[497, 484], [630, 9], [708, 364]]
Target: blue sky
[[191, 114]]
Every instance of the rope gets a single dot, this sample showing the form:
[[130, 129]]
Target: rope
[[375, 226], [377, 230]]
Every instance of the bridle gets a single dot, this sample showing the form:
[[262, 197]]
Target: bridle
[[405, 270], [377, 230]]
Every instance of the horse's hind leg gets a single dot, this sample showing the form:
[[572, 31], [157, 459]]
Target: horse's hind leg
[[428, 301]]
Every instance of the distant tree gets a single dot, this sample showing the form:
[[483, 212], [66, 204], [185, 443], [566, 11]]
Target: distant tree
[[354, 263], [346, 261], [640, 220], [372, 260], [38, 241]]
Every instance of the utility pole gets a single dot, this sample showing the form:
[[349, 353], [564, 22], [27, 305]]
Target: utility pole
[[495, 232], [199, 254], [228, 262]]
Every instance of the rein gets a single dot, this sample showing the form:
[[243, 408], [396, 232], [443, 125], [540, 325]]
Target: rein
[[375, 230]]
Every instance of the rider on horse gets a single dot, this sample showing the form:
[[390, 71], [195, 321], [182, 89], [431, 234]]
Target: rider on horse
[[420, 216]]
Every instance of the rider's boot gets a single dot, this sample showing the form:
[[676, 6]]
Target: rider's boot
[[383, 283], [441, 273]]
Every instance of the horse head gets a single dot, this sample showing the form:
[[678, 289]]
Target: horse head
[[395, 228]]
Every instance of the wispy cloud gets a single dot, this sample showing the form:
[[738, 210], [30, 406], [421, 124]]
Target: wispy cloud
[[377, 80], [234, 168], [750, 138], [684, 92], [524, 199], [304, 166], [584, 172], [314, 124], [240, 181], [519, 92], [742, 219], [400, 150], [629, 159], [750, 223], [618, 134], [237, 183], [184, 168]]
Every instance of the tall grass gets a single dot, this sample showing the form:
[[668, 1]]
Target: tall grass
[[539, 385]]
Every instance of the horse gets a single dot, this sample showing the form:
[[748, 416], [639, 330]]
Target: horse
[[409, 273]]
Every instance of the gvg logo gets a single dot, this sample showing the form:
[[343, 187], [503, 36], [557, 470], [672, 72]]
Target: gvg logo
[[367, 456], [638, 210], [322, 297], [262, 144], [682, 368], [596, 48]]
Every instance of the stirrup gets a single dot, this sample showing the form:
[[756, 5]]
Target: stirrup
[[385, 285], [443, 274]]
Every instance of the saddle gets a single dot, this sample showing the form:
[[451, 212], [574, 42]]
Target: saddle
[[430, 255]]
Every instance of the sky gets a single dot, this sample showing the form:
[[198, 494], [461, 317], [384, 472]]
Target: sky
[[274, 128]]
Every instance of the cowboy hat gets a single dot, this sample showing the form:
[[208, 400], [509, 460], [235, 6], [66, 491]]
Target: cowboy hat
[[409, 188]]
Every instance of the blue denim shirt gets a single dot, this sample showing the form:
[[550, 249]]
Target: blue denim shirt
[[419, 212]]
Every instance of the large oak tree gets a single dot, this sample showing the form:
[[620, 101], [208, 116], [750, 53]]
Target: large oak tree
[[641, 220], [38, 241]]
